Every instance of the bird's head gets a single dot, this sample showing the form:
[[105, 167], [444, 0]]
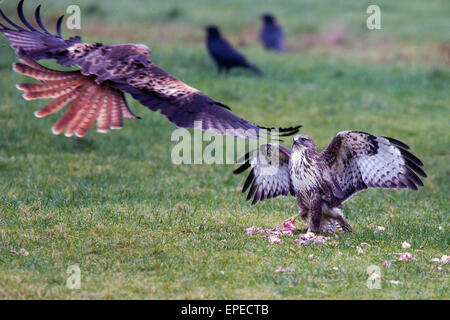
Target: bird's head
[[268, 18], [302, 142], [212, 31]]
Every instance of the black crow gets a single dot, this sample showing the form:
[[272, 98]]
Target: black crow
[[223, 53], [271, 34]]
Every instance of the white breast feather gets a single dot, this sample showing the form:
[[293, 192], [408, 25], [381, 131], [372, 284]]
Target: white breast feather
[[303, 179]]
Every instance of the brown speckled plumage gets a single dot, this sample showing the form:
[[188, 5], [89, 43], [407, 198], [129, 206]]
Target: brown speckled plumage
[[87, 99], [105, 73], [322, 182]]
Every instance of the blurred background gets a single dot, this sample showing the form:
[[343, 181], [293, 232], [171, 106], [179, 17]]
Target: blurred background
[[103, 202], [414, 34], [333, 65], [412, 31]]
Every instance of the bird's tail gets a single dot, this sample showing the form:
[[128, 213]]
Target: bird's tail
[[88, 100], [37, 43], [345, 225]]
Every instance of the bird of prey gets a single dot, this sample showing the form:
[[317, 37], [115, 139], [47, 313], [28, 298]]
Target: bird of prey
[[96, 91], [271, 34], [223, 53], [322, 182]]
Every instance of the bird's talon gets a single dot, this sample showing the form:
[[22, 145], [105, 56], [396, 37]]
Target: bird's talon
[[290, 220]]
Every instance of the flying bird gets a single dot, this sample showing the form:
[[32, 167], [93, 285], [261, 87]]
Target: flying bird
[[95, 92], [223, 53], [271, 34], [322, 182]]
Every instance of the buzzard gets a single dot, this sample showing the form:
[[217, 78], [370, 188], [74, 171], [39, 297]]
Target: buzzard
[[96, 91], [223, 53], [271, 34], [322, 182]]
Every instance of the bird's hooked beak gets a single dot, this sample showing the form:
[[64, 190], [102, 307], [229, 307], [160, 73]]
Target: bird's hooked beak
[[298, 140]]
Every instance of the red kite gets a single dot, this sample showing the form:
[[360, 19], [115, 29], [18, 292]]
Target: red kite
[[96, 91], [322, 182]]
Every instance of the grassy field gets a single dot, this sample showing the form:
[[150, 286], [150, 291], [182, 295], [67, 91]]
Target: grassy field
[[140, 227]]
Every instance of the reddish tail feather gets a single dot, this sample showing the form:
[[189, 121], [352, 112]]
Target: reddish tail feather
[[89, 101]]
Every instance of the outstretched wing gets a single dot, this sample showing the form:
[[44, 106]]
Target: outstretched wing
[[38, 44], [122, 69], [269, 176], [88, 101], [222, 50], [359, 160]]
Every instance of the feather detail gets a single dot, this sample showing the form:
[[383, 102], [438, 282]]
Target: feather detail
[[40, 74], [358, 160], [57, 104], [126, 111], [269, 176], [45, 86], [126, 68], [104, 118], [88, 100], [69, 118], [91, 113], [51, 92], [116, 112]]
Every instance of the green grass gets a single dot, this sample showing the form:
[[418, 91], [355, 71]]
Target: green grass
[[140, 227]]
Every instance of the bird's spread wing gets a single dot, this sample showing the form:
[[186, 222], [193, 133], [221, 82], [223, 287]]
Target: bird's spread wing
[[110, 71], [38, 44], [128, 69], [88, 101], [358, 160], [269, 176]]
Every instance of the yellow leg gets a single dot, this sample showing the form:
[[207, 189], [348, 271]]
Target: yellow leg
[[292, 219]]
